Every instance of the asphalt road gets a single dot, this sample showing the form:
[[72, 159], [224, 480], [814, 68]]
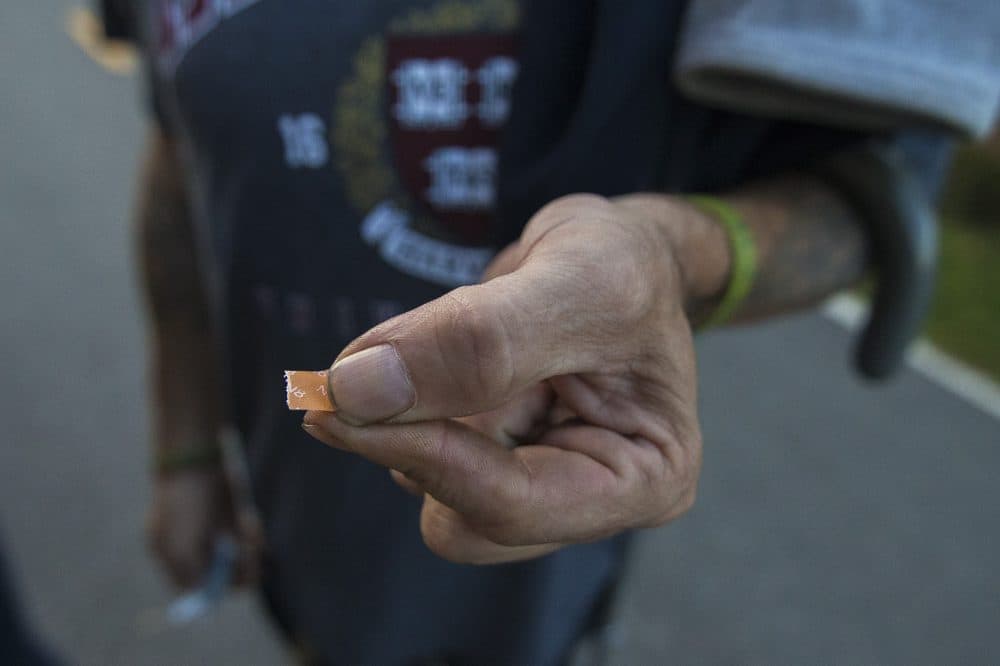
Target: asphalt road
[[836, 523]]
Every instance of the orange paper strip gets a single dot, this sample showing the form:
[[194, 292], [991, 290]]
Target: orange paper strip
[[306, 389]]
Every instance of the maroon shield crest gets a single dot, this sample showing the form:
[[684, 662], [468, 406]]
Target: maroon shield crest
[[448, 99]]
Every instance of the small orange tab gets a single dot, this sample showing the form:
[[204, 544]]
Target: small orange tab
[[306, 389]]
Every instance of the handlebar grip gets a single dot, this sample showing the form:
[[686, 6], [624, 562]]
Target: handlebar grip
[[904, 240]]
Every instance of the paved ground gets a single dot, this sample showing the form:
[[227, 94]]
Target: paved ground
[[836, 523]]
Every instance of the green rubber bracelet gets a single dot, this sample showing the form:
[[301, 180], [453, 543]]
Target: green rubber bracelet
[[181, 459], [743, 252]]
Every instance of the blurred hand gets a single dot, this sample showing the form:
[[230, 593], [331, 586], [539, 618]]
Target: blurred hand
[[576, 349], [191, 508]]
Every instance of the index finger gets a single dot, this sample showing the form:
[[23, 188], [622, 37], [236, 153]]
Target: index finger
[[454, 463]]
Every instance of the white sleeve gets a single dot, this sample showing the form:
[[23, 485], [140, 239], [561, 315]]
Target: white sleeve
[[864, 64]]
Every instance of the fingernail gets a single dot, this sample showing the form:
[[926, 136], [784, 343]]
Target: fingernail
[[371, 386]]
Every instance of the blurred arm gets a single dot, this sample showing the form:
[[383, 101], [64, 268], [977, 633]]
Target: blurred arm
[[184, 365]]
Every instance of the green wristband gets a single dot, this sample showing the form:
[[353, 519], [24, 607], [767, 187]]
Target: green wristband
[[743, 251], [181, 459]]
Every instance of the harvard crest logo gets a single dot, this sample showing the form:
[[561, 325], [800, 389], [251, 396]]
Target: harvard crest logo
[[416, 132], [448, 97]]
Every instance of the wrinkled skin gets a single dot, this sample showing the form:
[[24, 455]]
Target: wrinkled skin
[[577, 349]]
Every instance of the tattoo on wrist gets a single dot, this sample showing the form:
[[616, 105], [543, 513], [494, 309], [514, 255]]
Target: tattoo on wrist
[[811, 244]]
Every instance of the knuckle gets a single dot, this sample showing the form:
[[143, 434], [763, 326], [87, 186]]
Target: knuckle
[[440, 533], [509, 500], [683, 452], [628, 289], [677, 507], [649, 469], [687, 482], [672, 485], [691, 469], [502, 517], [569, 207], [505, 533], [430, 458], [688, 500], [483, 342], [441, 546], [576, 203], [509, 516]]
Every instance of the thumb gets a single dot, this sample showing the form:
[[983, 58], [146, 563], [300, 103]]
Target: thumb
[[467, 352]]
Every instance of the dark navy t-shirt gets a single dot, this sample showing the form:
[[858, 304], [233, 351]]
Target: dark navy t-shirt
[[342, 157]]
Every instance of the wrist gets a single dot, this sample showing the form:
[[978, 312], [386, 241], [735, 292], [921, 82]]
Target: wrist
[[198, 457], [698, 245]]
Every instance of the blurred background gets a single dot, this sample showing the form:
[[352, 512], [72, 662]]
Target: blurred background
[[837, 522]]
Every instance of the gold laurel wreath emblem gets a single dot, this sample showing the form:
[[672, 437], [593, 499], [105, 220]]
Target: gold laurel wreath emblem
[[359, 134]]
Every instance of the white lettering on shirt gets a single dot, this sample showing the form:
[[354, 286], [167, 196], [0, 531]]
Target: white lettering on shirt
[[387, 229], [304, 137], [462, 178], [431, 94], [496, 80]]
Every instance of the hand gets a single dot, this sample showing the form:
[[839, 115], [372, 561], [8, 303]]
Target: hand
[[191, 509], [577, 348]]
